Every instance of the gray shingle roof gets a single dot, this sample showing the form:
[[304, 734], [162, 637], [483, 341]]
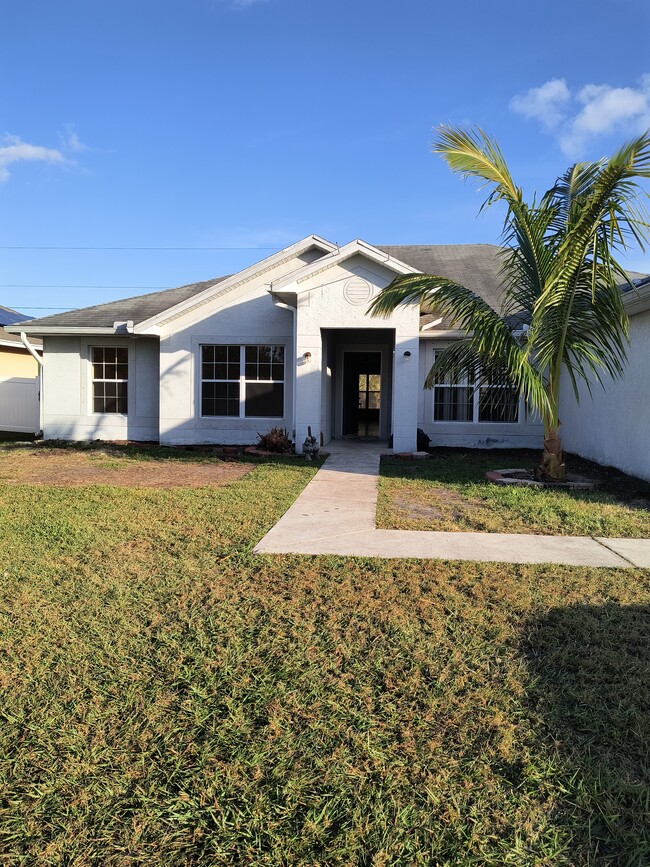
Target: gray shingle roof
[[138, 308], [473, 265]]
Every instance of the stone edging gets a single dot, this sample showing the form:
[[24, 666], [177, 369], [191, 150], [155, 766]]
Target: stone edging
[[507, 477]]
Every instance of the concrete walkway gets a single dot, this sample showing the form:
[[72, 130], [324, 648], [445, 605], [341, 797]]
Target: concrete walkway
[[335, 514]]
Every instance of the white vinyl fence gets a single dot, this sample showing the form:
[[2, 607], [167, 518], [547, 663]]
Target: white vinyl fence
[[19, 405]]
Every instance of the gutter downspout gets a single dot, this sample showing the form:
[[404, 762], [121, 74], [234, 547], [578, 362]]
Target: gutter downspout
[[39, 360], [294, 372]]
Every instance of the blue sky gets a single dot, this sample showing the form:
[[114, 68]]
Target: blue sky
[[252, 123]]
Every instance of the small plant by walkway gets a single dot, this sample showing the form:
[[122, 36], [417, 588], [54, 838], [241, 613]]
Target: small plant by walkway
[[448, 492]]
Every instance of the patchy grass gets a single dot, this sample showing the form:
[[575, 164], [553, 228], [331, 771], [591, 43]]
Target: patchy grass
[[448, 491], [167, 698]]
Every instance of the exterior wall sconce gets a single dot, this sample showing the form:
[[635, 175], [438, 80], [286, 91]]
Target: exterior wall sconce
[[407, 354], [307, 356]]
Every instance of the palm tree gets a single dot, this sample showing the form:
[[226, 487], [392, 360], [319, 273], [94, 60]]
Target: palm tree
[[562, 308]]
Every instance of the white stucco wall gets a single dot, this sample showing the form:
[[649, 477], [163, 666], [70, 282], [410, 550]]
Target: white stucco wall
[[248, 316], [612, 426], [67, 390], [253, 321], [525, 433]]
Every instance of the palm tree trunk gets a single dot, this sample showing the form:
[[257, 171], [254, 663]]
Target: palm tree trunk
[[552, 467]]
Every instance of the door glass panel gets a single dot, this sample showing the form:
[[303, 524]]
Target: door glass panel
[[361, 394], [369, 400]]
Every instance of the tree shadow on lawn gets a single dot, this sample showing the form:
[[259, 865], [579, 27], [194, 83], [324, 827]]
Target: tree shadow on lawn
[[590, 692]]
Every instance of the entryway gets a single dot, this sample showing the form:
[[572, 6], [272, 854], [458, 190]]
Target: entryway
[[357, 384], [361, 394]]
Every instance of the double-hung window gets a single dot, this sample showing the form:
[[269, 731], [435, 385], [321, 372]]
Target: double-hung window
[[220, 380], [474, 402], [110, 379], [242, 381], [453, 401]]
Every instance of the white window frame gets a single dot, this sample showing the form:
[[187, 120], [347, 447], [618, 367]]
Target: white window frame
[[476, 392], [104, 346], [243, 381]]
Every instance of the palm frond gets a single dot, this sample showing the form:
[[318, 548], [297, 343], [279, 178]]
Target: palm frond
[[473, 154], [560, 272]]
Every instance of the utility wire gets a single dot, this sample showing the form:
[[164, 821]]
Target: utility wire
[[174, 249], [70, 286], [27, 307]]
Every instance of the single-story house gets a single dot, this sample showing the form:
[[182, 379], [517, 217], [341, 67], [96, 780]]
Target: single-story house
[[19, 378], [286, 342]]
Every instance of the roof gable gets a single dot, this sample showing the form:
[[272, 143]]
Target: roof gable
[[237, 281], [296, 281]]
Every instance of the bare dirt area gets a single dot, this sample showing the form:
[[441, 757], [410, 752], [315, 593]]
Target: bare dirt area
[[40, 465]]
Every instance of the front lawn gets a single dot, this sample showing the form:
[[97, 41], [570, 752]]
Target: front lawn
[[448, 491], [168, 698]]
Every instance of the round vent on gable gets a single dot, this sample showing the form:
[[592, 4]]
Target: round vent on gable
[[357, 290]]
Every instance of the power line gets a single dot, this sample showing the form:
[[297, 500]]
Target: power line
[[173, 249], [70, 286], [27, 307]]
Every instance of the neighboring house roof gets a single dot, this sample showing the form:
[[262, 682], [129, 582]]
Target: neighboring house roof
[[639, 281], [12, 317]]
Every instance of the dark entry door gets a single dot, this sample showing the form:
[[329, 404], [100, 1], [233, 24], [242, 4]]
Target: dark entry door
[[361, 393]]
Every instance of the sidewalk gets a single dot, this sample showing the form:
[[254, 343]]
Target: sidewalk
[[335, 514]]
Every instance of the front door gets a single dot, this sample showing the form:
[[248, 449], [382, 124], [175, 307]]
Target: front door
[[361, 393]]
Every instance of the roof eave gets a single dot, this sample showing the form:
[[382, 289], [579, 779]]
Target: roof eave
[[456, 333], [72, 330], [637, 300]]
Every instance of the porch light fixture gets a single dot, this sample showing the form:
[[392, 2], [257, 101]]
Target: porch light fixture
[[407, 354], [307, 356]]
